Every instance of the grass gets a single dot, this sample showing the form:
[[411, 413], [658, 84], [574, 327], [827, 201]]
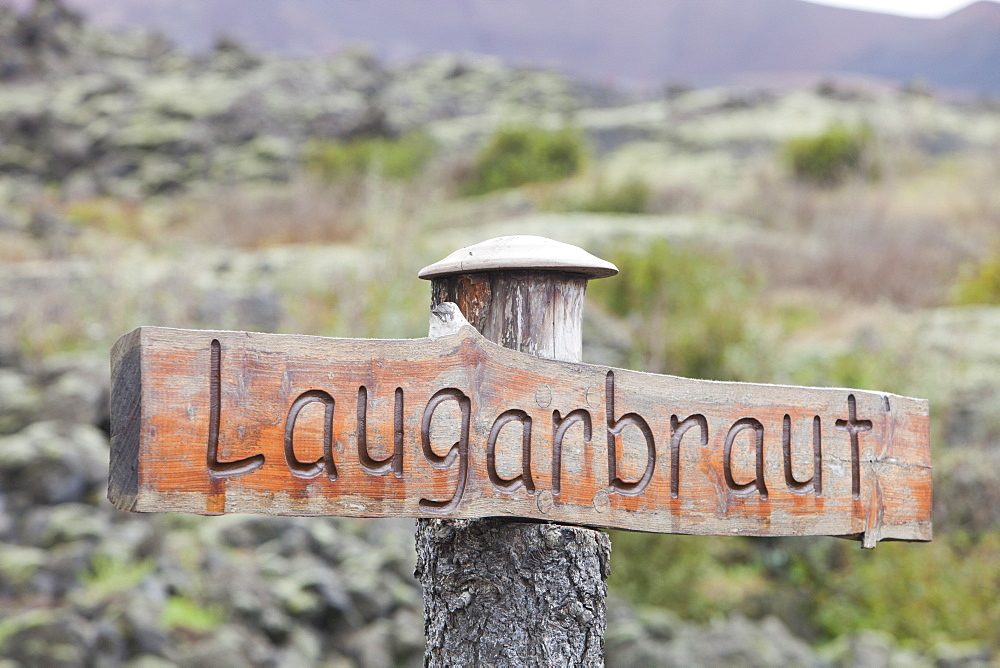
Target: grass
[[859, 242], [306, 211], [113, 216], [10, 625]]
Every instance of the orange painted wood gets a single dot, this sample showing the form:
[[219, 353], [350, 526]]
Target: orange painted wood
[[455, 426]]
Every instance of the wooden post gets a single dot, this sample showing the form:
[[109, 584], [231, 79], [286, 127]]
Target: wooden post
[[501, 591]]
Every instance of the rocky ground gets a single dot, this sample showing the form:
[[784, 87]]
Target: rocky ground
[[83, 584], [128, 115], [145, 140]]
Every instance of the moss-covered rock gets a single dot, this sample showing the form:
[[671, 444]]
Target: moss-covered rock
[[84, 102]]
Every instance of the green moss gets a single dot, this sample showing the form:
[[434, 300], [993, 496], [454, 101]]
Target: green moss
[[21, 621], [112, 575], [183, 613], [147, 130], [20, 563], [524, 154]]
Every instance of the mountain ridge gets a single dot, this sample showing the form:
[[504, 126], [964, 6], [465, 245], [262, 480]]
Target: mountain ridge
[[648, 44]]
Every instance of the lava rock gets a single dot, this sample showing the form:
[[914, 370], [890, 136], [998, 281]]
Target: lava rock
[[50, 463]]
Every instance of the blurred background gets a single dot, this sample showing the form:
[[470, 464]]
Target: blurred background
[[794, 193]]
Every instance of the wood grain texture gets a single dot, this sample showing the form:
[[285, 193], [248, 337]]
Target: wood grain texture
[[484, 431], [535, 312], [499, 592], [126, 420]]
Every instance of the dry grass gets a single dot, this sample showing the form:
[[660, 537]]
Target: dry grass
[[305, 211], [864, 256], [258, 215], [901, 240], [14, 247], [300, 257]]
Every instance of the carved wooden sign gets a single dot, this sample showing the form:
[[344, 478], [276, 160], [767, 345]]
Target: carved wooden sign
[[455, 426]]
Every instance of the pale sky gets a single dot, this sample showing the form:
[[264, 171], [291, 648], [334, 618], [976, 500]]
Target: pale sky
[[926, 8]]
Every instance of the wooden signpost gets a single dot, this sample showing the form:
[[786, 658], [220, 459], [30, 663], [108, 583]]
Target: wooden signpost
[[455, 426]]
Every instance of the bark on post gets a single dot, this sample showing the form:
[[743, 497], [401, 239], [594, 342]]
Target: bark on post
[[501, 591]]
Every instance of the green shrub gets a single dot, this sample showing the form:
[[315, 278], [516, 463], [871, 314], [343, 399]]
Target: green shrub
[[687, 310], [518, 155], [697, 577], [921, 594], [980, 284], [400, 159], [631, 196], [821, 587], [831, 156]]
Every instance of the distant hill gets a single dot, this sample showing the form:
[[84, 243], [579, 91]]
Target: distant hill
[[960, 51], [639, 42]]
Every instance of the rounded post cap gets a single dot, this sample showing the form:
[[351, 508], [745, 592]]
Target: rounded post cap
[[520, 251]]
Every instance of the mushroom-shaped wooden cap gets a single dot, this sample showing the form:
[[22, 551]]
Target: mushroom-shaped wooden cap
[[520, 252]]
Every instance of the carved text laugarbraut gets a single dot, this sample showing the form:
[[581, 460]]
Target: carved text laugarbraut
[[662, 447]]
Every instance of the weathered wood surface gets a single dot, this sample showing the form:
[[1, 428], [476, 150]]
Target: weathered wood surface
[[457, 427], [537, 255]]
